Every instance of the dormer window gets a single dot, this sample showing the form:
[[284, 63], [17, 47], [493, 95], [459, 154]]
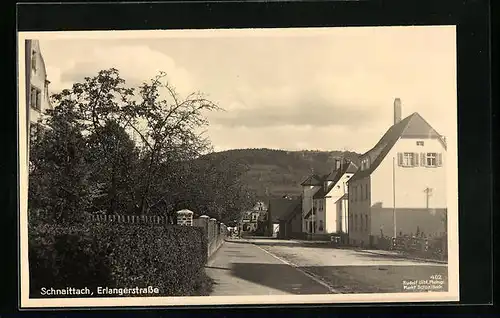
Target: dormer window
[[365, 163]]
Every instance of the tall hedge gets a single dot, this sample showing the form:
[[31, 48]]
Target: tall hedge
[[170, 258]]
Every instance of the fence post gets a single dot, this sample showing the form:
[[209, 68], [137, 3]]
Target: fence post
[[185, 217]]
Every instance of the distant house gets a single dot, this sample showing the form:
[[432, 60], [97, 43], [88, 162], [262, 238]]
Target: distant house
[[309, 187], [400, 187], [278, 209], [330, 202], [252, 218], [324, 200]]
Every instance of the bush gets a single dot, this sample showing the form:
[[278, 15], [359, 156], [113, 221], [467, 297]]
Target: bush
[[169, 258]]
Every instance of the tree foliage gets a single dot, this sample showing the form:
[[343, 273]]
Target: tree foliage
[[107, 147]]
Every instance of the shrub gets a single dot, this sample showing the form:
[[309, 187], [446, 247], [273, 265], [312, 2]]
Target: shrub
[[61, 257], [170, 258]]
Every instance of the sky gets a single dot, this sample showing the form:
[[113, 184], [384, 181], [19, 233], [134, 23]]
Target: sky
[[316, 89]]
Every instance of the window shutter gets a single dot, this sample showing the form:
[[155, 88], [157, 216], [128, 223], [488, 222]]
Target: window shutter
[[439, 159], [400, 159], [415, 159], [422, 159]]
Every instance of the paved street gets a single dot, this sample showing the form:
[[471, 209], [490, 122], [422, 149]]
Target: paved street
[[267, 266], [245, 269]]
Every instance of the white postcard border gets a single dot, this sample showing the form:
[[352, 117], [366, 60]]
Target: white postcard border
[[25, 302]]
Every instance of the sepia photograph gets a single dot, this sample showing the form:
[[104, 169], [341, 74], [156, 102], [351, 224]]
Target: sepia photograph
[[238, 166]]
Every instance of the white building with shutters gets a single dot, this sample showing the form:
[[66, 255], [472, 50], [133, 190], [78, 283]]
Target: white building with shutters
[[400, 187]]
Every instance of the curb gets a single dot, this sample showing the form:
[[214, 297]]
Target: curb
[[429, 260], [314, 277], [215, 251]]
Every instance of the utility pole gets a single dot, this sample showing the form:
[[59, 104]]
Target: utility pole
[[312, 214], [394, 195]]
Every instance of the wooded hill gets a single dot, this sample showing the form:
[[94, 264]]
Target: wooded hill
[[275, 173]]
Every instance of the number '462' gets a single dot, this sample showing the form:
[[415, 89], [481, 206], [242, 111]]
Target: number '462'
[[436, 277]]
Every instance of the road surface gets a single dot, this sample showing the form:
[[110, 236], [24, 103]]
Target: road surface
[[245, 269], [274, 267]]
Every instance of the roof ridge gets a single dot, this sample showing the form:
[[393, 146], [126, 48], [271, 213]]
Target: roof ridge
[[411, 117], [407, 118]]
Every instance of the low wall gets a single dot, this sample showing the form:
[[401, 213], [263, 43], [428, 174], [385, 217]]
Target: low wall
[[215, 232]]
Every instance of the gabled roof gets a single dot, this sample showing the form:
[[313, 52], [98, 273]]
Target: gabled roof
[[297, 209], [312, 180], [334, 178], [279, 208], [413, 126]]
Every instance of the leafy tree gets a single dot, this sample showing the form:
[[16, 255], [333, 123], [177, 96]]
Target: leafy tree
[[167, 126], [58, 183], [112, 157], [109, 147]]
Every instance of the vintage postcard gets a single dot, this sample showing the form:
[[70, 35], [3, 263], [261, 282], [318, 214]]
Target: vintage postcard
[[238, 166]]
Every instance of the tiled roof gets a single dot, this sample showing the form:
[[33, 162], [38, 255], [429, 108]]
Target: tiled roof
[[337, 174], [312, 180], [413, 126], [297, 209], [279, 208]]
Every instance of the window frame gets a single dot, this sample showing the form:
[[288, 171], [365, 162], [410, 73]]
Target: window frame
[[408, 159], [35, 98], [33, 61], [429, 156]]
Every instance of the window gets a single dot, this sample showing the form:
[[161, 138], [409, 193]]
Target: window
[[355, 223], [366, 222], [361, 223], [430, 159], [366, 192], [365, 164], [407, 159], [361, 193], [320, 225], [33, 60], [420, 143], [36, 98]]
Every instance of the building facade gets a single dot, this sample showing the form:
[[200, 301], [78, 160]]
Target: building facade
[[38, 100], [400, 188], [309, 188], [331, 203], [324, 200], [251, 219], [37, 89]]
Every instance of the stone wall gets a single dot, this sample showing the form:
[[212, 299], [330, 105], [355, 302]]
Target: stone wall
[[215, 231]]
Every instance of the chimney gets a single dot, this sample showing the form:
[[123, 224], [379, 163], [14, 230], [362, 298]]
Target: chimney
[[397, 111], [337, 164]]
